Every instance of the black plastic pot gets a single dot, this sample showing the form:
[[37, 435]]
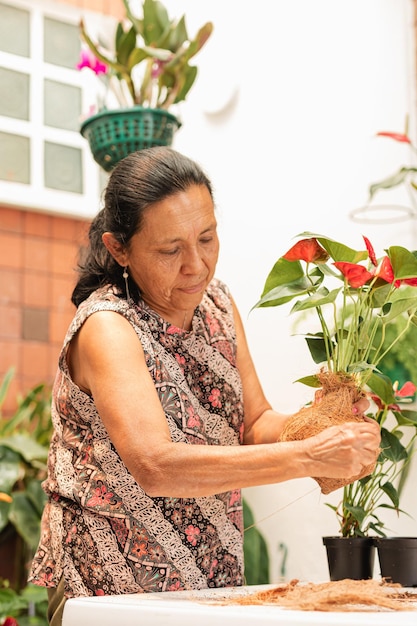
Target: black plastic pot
[[398, 559], [350, 557]]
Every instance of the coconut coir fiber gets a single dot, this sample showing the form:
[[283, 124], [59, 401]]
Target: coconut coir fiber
[[332, 406], [342, 595]]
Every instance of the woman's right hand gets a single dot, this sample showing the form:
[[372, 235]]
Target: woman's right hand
[[344, 450]]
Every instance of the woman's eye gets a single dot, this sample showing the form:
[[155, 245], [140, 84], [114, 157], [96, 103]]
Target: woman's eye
[[206, 240], [170, 252]]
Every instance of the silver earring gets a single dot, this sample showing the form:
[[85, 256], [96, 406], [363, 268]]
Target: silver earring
[[126, 277]]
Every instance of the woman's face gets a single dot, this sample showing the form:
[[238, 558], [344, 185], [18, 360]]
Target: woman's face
[[173, 257]]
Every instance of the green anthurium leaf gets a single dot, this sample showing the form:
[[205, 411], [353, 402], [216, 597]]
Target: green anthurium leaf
[[356, 511], [319, 298], [380, 294], [25, 445], [405, 305], [381, 385], [25, 518], [392, 493], [392, 449], [310, 381], [283, 273], [406, 417], [404, 263], [340, 252], [317, 347], [284, 293]]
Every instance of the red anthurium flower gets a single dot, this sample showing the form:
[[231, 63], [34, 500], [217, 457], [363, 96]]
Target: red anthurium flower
[[410, 281], [397, 136], [371, 251], [385, 271], [308, 250], [407, 390], [356, 275], [87, 59]]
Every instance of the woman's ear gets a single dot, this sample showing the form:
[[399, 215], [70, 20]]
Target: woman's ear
[[116, 249]]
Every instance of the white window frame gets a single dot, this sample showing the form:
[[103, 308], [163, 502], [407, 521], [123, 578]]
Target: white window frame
[[35, 195]]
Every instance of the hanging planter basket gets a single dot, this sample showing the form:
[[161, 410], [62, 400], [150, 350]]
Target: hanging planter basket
[[114, 134]]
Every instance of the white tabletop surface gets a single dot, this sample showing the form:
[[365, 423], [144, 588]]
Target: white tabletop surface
[[201, 608]]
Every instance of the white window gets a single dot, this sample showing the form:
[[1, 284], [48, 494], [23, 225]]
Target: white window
[[45, 163]]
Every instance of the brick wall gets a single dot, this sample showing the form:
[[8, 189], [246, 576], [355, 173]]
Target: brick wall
[[38, 256]]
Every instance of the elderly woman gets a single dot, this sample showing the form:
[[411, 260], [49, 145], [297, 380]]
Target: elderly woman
[[159, 416]]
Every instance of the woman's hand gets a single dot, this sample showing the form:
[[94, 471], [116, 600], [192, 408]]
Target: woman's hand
[[344, 450]]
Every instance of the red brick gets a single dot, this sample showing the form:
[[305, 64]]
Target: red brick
[[10, 322], [10, 286], [37, 254], [38, 224], [11, 219], [36, 290], [11, 250], [35, 361], [64, 257]]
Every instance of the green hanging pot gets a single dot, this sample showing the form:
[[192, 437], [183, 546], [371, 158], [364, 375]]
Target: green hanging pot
[[113, 134]]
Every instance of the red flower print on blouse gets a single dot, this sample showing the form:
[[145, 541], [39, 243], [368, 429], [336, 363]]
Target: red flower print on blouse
[[193, 534], [214, 398], [101, 497]]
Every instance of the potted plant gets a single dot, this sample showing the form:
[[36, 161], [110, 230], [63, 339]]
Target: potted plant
[[148, 71], [357, 298], [24, 443]]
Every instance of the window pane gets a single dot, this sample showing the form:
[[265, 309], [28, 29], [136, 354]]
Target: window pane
[[62, 105], [14, 30], [14, 158], [63, 168], [14, 94], [61, 44]]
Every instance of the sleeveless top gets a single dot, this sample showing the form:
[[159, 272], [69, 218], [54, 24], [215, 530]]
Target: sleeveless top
[[100, 530]]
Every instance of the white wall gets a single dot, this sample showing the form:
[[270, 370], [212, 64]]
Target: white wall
[[283, 118]]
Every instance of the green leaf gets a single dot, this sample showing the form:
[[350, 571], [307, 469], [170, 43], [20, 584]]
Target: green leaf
[[310, 381], [319, 298], [356, 511], [381, 385], [283, 273], [392, 448], [404, 263], [26, 446], [317, 347], [10, 469], [25, 518], [392, 493], [255, 551]]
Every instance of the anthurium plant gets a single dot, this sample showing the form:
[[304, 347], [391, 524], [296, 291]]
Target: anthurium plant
[[356, 297], [149, 61]]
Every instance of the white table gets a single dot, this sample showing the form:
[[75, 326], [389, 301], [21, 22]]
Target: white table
[[190, 608]]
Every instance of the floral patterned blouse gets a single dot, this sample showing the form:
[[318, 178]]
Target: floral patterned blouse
[[100, 530]]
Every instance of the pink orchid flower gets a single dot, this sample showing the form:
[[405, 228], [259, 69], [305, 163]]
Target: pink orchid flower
[[87, 59]]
